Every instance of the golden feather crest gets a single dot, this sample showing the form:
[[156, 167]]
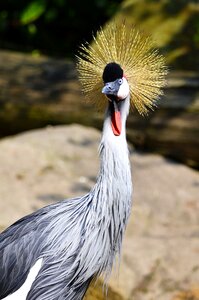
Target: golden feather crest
[[143, 67]]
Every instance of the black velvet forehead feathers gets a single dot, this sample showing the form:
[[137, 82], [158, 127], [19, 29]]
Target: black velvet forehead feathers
[[112, 71]]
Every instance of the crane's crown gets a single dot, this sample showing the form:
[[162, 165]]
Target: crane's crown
[[112, 71], [120, 48]]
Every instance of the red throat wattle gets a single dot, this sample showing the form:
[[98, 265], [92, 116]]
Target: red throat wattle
[[116, 123]]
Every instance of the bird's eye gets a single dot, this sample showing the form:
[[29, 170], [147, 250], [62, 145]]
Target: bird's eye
[[120, 81]]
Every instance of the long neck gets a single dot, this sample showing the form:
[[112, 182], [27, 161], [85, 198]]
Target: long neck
[[113, 186], [112, 194]]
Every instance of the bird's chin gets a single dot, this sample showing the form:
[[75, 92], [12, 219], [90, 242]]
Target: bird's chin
[[111, 97], [114, 98]]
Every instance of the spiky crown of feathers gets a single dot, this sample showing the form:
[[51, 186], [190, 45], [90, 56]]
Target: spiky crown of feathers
[[143, 66]]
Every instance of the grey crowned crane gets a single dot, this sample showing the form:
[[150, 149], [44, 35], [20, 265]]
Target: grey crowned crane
[[55, 252]]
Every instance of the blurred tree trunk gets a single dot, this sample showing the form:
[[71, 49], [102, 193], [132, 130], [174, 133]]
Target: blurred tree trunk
[[35, 92]]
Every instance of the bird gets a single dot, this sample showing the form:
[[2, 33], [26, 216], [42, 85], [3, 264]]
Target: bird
[[57, 251]]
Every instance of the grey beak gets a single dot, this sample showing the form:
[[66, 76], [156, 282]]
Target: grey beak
[[110, 88]]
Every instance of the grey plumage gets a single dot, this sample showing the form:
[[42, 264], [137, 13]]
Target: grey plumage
[[76, 238]]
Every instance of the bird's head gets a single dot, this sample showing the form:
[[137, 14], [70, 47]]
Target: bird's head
[[123, 46], [116, 88]]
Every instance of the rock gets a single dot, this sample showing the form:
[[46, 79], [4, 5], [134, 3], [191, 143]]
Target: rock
[[41, 91], [192, 294], [36, 92], [44, 162], [161, 245]]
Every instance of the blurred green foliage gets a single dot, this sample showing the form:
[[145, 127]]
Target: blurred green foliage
[[32, 12], [53, 27]]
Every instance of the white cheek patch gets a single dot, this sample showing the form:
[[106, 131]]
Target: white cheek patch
[[123, 90]]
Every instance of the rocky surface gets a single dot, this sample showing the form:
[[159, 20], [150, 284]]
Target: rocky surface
[[160, 258]]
